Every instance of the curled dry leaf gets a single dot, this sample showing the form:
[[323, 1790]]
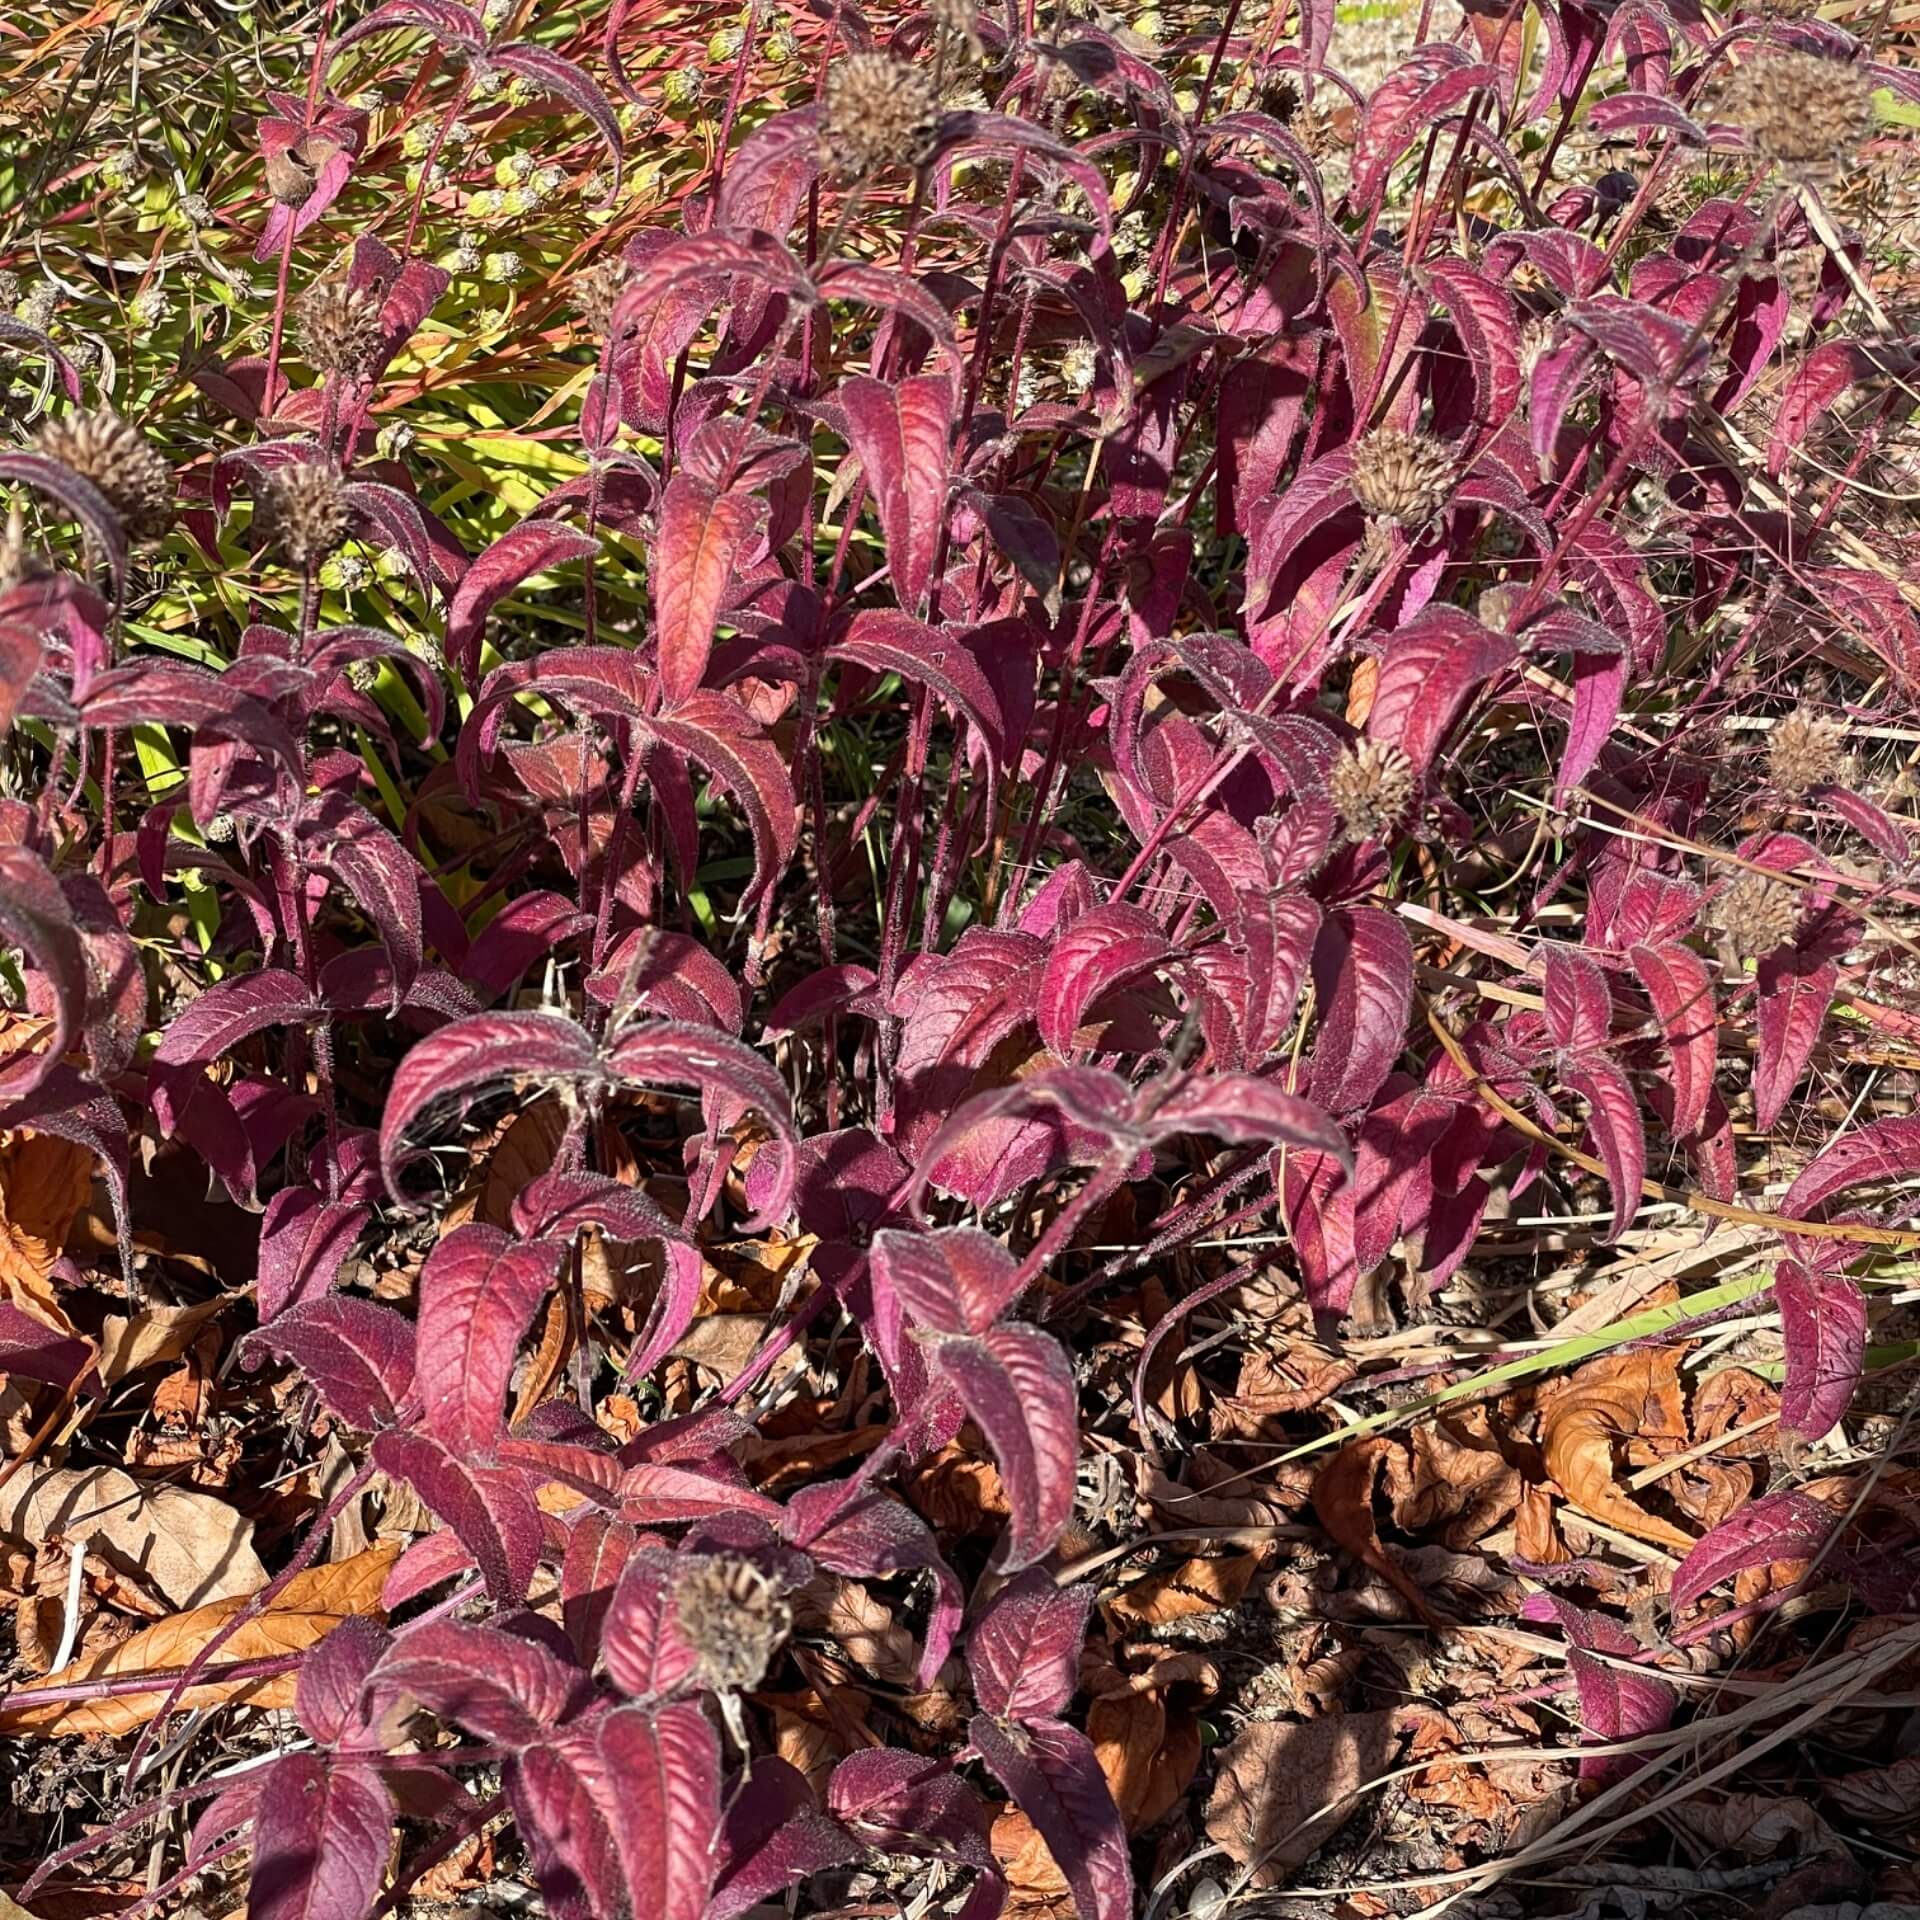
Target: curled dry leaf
[[1036, 1888], [128, 1343], [301, 1615], [1343, 1499], [189, 1546], [1145, 1729], [1625, 1397], [44, 1182]]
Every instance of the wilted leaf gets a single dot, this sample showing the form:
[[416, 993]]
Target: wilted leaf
[[1608, 1403], [305, 1611], [152, 1336], [44, 1182], [1343, 1500]]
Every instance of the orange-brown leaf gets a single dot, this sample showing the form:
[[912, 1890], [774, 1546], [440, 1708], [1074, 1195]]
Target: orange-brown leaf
[[311, 1605], [44, 1182], [1634, 1397], [1343, 1500]]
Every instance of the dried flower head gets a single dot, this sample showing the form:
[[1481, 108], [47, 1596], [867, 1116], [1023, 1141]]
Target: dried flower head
[[120, 461], [1801, 111], [1403, 478], [218, 830], [1803, 751], [1370, 786], [732, 1616], [501, 268], [338, 328], [1757, 913], [878, 112], [595, 289], [305, 508]]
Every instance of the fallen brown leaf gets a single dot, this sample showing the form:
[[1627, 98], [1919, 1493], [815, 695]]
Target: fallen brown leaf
[[191, 1547], [1196, 1586], [311, 1605], [1629, 1397], [1145, 1730], [1455, 1477], [1343, 1500], [1276, 1776], [1036, 1888], [44, 1182], [157, 1334]]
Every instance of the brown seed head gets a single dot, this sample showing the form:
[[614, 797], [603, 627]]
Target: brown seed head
[[306, 510], [1801, 111], [120, 461], [1757, 914], [338, 328], [877, 112], [1401, 477], [1370, 786], [1803, 752], [594, 291], [732, 1615]]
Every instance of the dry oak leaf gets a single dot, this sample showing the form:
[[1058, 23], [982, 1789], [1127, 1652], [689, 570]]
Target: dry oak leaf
[[305, 1611], [191, 1547], [44, 1182], [1277, 1776], [1630, 1397]]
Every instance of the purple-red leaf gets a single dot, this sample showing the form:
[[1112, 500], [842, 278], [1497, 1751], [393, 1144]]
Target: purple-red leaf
[[1823, 1321], [703, 534], [1616, 1702], [1578, 1003], [1794, 989], [1615, 1127], [490, 1048], [499, 1686], [663, 1768], [1363, 978], [957, 1280], [1024, 1650], [1779, 1526], [1055, 1780], [1430, 667], [521, 552], [899, 431], [322, 1831], [478, 1293], [488, 1507], [1681, 989], [228, 1013], [357, 1355], [1105, 949], [1018, 1385]]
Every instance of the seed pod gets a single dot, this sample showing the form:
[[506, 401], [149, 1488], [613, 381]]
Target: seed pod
[[305, 510], [120, 461], [732, 1616], [1370, 785], [338, 328], [1801, 111], [1402, 478], [1757, 913], [877, 112]]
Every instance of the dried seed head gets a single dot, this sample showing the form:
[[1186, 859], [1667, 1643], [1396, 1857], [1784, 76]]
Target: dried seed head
[[878, 112], [679, 87], [1370, 786], [1757, 914], [338, 328], [732, 1616], [1801, 111], [594, 291], [306, 510], [218, 831], [120, 461], [1401, 477], [1803, 751]]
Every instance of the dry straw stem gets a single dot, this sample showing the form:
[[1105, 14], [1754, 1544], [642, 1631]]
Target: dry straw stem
[[1688, 1197]]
